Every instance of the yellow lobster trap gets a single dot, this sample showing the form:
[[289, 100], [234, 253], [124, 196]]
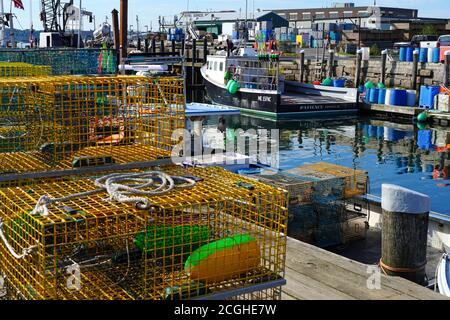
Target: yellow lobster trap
[[166, 233], [65, 122], [21, 69]]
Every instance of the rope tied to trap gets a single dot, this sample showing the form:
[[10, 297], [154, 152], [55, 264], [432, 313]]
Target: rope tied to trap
[[124, 188]]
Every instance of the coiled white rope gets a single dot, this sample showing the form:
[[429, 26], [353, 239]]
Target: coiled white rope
[[114, 185], [25, 252]]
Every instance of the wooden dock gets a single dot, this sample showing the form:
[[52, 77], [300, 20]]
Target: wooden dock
[[441, 119], [315, 274]]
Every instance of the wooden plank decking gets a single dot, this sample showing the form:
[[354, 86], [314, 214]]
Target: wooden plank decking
[[315, 274]]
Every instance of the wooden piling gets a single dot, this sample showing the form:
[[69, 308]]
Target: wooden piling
[[153, 45], [302, 65], [331, 64], [415, 69], [115, 25], [173, 47], [123, 29], [404, 233], [183, 43], [146, 44], [383, 66], [205, 50], [162, 49], [358, 68], [139, 44]]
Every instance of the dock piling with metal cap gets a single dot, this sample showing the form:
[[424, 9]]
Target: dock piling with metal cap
[[404, 233]]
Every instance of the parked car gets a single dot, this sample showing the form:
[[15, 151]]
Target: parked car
[[415, 41], [443, 42]]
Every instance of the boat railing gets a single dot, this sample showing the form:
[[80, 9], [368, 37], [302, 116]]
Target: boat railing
[[257, 78]]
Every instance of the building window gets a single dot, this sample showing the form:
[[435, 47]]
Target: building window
[[215, 65], [293, 16], [306, 16], [348, 14], [221, 66], [363, 13], [320, 15], [334, 14]]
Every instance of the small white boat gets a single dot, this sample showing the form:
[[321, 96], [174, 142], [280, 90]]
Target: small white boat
[[443, 275]]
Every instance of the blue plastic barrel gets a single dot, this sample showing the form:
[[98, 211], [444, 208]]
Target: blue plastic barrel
[[436, 55], [373, 98], [339, 83], [423, 55], [382, 96], [427, 94], [368, 92], [409, 54], [402, 54], [373, 131], [424, 138], [398, 98]]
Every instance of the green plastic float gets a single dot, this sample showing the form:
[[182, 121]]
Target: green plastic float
[[369, 85], [327, 82], [170, 240], [422, 117]]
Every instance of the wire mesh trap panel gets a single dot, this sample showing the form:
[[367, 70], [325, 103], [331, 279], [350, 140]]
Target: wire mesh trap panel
[[220, 233], [66, 61], [20, 69], [319, 195], [355, 182], [55, 123]]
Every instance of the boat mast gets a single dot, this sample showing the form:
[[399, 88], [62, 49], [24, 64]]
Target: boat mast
[[80, 27]]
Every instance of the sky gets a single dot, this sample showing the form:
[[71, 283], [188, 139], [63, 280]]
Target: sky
[[149, 10]]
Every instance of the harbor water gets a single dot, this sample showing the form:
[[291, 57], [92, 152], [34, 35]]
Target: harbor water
[[391, 152]]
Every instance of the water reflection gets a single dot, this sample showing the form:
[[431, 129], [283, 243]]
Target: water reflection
[[391, 152]]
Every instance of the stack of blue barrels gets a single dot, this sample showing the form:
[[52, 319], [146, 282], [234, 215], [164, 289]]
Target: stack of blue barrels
[[430, 55], [391, 97]]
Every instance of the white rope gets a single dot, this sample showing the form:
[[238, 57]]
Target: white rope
[[114, 184], [25, 252]]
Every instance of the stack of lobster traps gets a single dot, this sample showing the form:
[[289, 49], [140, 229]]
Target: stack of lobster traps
[[90, 207], [322, 209]]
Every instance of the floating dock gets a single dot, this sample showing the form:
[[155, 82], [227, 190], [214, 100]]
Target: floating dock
[[441, 119], [315, 274]]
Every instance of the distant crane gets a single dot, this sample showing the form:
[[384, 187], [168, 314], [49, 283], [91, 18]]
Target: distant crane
[[55, 16]]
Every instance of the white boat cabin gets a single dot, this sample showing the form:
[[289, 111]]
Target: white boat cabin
[[250, 72]]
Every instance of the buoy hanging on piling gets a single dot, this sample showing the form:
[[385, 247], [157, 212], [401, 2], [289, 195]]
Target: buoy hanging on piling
[[404, 233], [422, 117]]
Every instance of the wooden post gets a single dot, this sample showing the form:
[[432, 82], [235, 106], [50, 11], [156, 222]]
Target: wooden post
[[415, 69], [115, 25], [183, 43], [205, 50], [404, 233], [139, 44], [123, 29], [146, 44], [153, 45], [173, 47], [446, 69], [331, 64], [162, 49], [358, 68], [302, 65], [383, 66]]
